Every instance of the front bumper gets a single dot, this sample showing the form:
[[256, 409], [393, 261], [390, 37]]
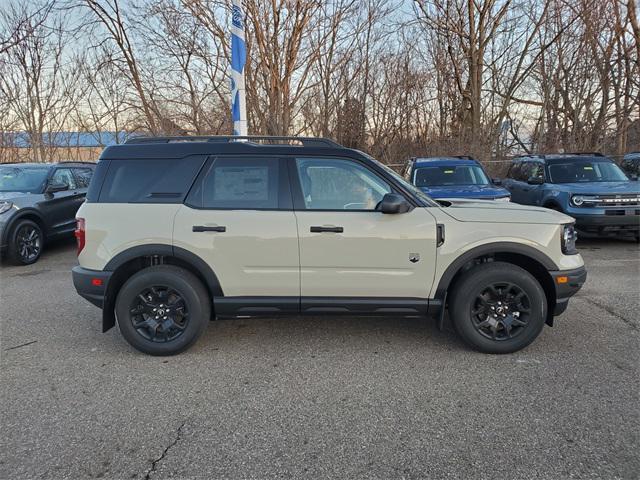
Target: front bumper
[[91, 284], [567, 283], [612, 222]]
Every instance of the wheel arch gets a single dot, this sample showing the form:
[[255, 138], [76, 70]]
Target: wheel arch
[[535, 262], [24, 214], [130, 261]]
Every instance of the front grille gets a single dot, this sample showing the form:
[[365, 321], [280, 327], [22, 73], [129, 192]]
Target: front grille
[[631, 200]]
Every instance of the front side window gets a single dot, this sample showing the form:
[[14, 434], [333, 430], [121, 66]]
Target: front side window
[[337, 184], [585, 171], [532, 170], [450, 175], [22, 179], [65, 177], [242, 184]]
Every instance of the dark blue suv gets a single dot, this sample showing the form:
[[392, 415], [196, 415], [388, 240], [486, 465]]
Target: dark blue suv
[[589, 187], [453, 177]]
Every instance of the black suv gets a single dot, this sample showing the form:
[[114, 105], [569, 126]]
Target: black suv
[[38, 202]]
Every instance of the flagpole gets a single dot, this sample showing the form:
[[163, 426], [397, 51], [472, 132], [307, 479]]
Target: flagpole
[[238, 60]]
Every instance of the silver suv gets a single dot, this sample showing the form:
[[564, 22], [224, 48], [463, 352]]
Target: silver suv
[[178, 231]]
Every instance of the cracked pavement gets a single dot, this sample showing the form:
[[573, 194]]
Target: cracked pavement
[[318, 397]]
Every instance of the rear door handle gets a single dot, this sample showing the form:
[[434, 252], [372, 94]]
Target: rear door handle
[[327, 229], [205, 228]]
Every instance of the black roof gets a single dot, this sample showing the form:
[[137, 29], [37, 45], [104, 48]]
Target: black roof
[[179, 147]]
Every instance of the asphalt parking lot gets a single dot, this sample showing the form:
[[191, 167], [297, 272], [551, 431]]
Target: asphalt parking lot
[[319, 397]]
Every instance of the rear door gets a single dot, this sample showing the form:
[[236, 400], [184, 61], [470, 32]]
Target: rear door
[[353, 257], [238, 218]]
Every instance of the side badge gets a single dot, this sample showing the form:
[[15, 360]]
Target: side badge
[[414, 257]]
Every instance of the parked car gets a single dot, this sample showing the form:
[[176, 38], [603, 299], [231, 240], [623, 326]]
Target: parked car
[[453, 177], [631, 165], [38, 202], [587, 186], [177, 231]]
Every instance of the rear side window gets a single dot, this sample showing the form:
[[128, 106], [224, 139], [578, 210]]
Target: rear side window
[[514, 171], [149, 180], [242, 184], [83, 176]]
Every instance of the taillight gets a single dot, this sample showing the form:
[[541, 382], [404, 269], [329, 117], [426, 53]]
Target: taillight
[[80, 234]]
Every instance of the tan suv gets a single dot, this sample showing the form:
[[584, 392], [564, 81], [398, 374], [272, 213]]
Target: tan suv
[[178, 231]]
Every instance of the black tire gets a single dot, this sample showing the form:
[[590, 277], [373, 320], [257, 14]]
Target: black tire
[[153, 332], [473, 311], [26, 241]]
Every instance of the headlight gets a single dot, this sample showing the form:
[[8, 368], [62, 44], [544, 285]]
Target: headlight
[[569, 237], [503, 199], [5, 206], [579, 200]]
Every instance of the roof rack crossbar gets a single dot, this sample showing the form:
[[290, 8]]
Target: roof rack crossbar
[[257, 139]]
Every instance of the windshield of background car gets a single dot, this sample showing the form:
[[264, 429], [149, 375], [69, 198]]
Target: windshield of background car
[[450, 176], [406, 185], [22, 179], [587, 170]]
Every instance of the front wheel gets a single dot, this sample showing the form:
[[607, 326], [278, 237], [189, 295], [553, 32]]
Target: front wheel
[[162, 310], [25, 243], [498, 307]]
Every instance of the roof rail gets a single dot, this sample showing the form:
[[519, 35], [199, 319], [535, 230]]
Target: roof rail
[[82, 162], [564, 154], [265, 140]]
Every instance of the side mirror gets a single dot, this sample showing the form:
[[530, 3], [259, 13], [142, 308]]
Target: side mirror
[[496, 181], [535, 181], [56, 187], [394, 203]]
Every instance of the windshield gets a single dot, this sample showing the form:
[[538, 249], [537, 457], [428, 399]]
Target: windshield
[[451, 175], [586, 171], [22, 179], [406, 185]]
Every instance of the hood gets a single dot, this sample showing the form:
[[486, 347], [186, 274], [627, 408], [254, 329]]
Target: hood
[[12, 195], [465, 191], [599, 188], [487, 211]]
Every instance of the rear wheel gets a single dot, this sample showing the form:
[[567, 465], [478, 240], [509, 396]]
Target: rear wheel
[[498, 307], [25, 243], [162, 310]]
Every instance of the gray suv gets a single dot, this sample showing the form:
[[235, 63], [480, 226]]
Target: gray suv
[[38, 202]]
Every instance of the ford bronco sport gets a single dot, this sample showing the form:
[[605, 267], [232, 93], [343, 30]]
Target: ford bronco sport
[[178, 231]]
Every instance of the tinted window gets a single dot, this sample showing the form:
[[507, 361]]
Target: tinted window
[[450, 175], [149, 181], [531, 170], [22, 179], [585, 171], [65, 177], [242, 184], [83, 176], [334, 184], [514, 171]]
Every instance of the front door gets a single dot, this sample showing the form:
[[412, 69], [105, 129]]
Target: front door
[[59, 208], [351, 251], [238, 218]]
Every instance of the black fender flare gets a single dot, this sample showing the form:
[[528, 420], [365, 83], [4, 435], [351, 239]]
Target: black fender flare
[[170, 251], [491, 249]]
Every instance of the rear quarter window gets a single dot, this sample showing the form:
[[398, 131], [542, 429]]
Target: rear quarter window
[[148, 180]]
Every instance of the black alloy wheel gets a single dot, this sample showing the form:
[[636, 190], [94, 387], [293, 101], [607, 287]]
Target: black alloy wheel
[[26, 243], [501, 311], [159, 313]]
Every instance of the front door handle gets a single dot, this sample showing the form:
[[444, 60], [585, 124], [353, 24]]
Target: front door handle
[[205, 228], [327, 229]]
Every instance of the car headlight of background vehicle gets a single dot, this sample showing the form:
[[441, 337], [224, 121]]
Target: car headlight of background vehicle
[[5, 206], [569, 237], [503, 199], [579, 200]]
